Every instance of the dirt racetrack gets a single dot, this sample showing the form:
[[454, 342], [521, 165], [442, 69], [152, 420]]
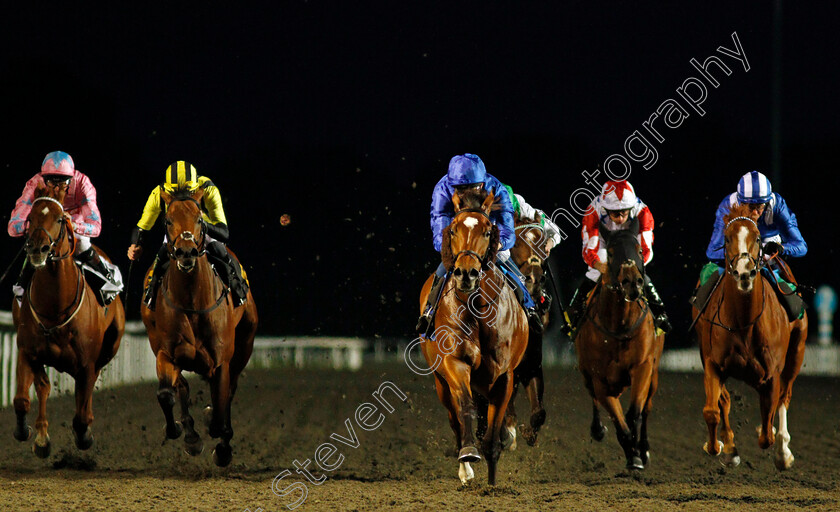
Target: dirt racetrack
[[407, 463]]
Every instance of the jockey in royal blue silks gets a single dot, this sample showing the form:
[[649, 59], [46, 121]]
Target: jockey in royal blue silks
[[467, 172], [776, 224]]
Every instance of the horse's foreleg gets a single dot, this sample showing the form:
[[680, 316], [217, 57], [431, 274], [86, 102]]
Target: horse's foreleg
[[42, 437], [534, 388], [622, 431], [25, 377], [711, 409], [457, 376], [85, 381], [769, 399], [729, 456], [220, 420], [497, 403], [508, 432], [641, 377], [192, 441], [644, 444], [784, 457], [597, 429], [168, 375], [465, 472]]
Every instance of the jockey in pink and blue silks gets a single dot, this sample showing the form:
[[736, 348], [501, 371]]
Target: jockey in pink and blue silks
[[59, 172], [467, 172]]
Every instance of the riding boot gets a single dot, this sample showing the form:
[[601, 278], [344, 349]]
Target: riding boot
[[151, 287], [238, 287], [657, 307], [91, 258], [577, 305], [26, 272], [425, 319]]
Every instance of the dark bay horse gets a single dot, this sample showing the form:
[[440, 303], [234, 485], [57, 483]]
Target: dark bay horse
[[746, 334], [481, 333], [195, 327], [60, 324], [618, 346], [528, 254]]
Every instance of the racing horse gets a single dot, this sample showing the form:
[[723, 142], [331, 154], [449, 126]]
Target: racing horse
[[618, 346], [59, 323], [195, 327], [481, 333], [745, 333], [529, 256]]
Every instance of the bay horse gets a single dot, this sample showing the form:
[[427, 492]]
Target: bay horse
[[195, 327], [745, 333], [618, 347], [59, 323], [528, 254], [481, 333]]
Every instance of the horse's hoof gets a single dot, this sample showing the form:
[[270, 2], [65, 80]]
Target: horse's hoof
[[85, 441], [508, 435], [23, 434], [465, 473], [646, 457], [175, 432], [193, 447], [730, 460], [784, 463], [42, 451], [719, 448], [469, 454], [222, 455], [635, 463], [598, 433], [528, 433]]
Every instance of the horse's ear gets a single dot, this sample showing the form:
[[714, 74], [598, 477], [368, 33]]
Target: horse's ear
[[166, 196], [488, 203], [633, 225], [456, 202], [198, 194], [40, 191], [446, 256]]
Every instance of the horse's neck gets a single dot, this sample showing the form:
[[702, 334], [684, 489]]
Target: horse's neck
[[614, 312], [195, 288], [741, 308], [54, 286]]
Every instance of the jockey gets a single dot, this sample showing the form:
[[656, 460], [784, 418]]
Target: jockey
[[59, 173], [180, 179], [524, 212], [776, 223], [467, 172], [616, 205]]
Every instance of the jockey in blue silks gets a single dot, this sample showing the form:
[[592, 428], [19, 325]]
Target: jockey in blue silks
[[776, 224], [467, 172]]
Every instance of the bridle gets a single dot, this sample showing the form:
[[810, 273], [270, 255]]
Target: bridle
[[468, 252], [758, 261], [188, 235], [53, 255]]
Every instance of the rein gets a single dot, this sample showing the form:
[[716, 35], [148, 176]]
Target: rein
[[468, 252], [631, 330], [52, 256], [79, 297]]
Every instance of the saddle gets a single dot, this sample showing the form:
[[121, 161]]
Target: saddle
[[107, 289]]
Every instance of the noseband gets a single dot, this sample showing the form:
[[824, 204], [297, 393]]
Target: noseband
[[758, 262], [188, 236], [52, 255]]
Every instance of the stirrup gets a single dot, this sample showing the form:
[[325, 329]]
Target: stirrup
[[424, 322], [534, 320]]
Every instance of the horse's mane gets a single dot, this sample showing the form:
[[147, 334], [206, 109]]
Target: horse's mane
[[742, 210], [470, 200]]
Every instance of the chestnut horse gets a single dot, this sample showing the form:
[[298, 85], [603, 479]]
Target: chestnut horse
[[745, 333], [481, 333], [618, 346], [528, 254], [60, 324], [195, 327]]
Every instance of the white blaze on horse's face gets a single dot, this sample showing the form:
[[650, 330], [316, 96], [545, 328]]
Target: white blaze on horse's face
[[744, 265], [470, 222]]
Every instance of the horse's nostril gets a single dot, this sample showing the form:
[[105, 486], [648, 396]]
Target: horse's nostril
[[193, 253], [473, 273], [45, 249], [752, 273], [457, 272]]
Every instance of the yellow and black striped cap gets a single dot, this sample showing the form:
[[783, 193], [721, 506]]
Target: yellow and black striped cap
[[180, 176]]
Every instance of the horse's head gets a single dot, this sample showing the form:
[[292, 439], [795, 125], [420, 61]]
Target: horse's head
[[46, 227], [528, 258], [185, 230], [471, 241], [625, 266], [742, 247]]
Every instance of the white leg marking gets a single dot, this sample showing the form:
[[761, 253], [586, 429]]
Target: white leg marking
[[784, 457], [465, 473], [511, 441]]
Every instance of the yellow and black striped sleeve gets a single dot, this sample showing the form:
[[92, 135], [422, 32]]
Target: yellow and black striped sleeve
[[212, 201], [151, 210]]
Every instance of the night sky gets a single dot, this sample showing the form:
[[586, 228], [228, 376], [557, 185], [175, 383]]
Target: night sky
[[345, 116]]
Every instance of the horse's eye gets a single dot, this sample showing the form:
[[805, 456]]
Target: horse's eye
[[451, 232], [486, 234]]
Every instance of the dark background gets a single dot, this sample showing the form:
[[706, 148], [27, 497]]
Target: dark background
[[345, 116]]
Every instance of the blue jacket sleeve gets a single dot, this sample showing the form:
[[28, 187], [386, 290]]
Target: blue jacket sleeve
[[502, 215], [441, 211], [792, 240], [715, 251]]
